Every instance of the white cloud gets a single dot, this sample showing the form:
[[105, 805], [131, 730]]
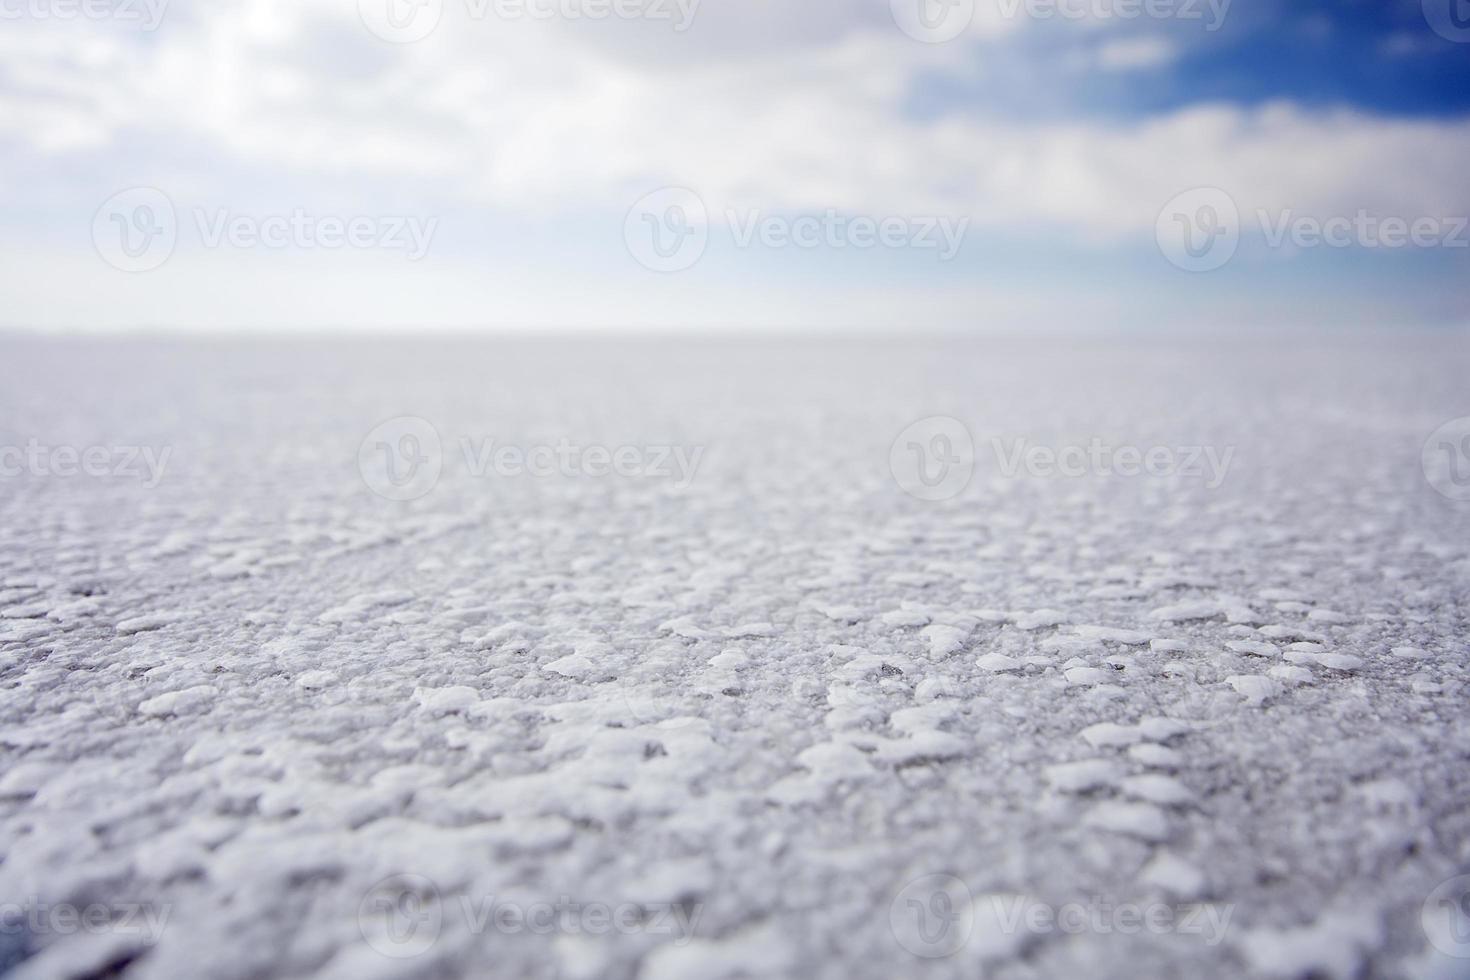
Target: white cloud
[[528, 115], [1129, 54], [546, 119]]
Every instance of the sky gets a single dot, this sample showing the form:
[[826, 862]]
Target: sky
[[894, 165]]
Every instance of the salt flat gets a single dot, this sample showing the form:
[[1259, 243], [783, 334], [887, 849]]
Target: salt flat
[[584, 658]]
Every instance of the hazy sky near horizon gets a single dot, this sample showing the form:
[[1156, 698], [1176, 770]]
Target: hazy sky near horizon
[[903, 164]]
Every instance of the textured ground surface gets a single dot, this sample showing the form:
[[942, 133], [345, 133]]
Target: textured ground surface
[[796, 720]]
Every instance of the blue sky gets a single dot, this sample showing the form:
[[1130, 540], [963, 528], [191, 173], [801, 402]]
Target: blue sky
[[1376, 57], [533, 153]]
